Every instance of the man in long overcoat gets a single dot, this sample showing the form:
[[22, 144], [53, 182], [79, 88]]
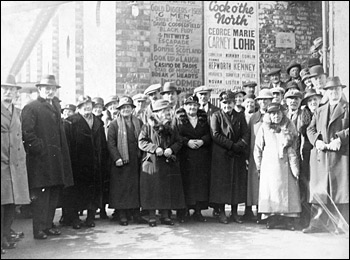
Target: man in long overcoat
[[14, 180], [329, 160], [48, 160], [88, 150]]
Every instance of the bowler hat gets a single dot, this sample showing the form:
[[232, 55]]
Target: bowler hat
[[238, 90], [273, 71], [110, 99], [309, 93], [70, 107], [226, 96], [293, 93], [139, 97], [316, 71], [48, 80], [84, 99], [264, 94], [191, 99], [98, 100], [278, 89], [10, 82], [125, 100], [313, 62], [169, 87], [202, 89], [160, 104], [333, 82], [292, 84], [318, 42], [152, 88], [274, 107], [249, 84], [293, 64], [304, 74]]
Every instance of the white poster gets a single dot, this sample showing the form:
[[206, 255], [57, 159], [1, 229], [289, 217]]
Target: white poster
[[231, 44]]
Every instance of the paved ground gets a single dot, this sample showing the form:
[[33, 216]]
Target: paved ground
[[189, 240]]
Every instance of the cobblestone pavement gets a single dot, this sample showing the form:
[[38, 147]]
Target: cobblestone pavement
[[189, 240]]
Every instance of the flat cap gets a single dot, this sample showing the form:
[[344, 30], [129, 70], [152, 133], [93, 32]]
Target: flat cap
[[273, 71], [152, 88], [293, 93], [202, 89]]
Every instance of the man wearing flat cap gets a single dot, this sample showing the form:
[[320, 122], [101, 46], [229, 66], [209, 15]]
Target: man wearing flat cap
[[328, 132], [275, 78], [293, 70], [88, 150], [140, 102], [203, 95], [48, 160], [14, 180], [153, 93]]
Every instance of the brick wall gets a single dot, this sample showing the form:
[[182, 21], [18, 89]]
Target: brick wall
[[304, 19], [79, 49], [55, 48], [133, 52]]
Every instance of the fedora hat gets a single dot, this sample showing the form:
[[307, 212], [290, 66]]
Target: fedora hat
[[274, 71], [304, 74], [202, 89], [238, 90], [226, 96], [169, 87], [70, 107], [152, 88], [309, 93], [274, 107], [110, 99], [98, 100], [264, 94], [125, 100], [292, 84], [249, 84], [293, 64], [313, 62], [191, 99], [293, 93], [139, 97], [160, 104], [48, 80], [11, 82], [316, 71], [84, 99], [333, 82]]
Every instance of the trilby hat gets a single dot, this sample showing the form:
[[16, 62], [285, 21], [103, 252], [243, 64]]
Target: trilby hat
[[48, 80], [11, 82]]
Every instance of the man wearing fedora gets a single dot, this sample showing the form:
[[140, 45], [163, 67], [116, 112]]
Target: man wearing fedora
[[48, 160], [14, 179], [171, 93], [88, 151], [275, 79], [329, 174]]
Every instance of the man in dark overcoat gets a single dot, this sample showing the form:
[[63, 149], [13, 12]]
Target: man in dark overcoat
[[48, 160], [329, 161], [88, 150]]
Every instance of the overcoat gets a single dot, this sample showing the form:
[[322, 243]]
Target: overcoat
[[278, 165], [124, 180], [228, 178], [329, 170], [48, 159], [14, 179], [89, 154], [160, 180], [253, 180], [195, 163]]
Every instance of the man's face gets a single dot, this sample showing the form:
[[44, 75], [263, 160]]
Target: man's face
[[171, 96], [334, 93], [249, 105], [227, 106], [277, 97], [97, 109], [264, 103], [275, 78], [140, 105], [47, 92], [249, 90], [8, 93], [294, 72], [319, 81], [293, 103], [154, 96], [203, 98]]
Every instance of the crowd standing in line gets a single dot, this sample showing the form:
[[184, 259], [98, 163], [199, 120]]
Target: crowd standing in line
[[284, 150]]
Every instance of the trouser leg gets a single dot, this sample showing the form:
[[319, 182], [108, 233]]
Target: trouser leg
[[40, 208], [54, 195]]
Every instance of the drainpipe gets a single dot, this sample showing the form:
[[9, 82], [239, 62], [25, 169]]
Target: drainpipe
[[324, 35], [331, 39]]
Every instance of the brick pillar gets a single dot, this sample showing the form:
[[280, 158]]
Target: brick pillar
[[79, 48]]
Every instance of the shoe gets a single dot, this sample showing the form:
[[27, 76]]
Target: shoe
[[17, 234], [199, 217], [216, 212], [223, 219], [123, 222], [249, 216], [76, 224], [40, 235], [9, 245], [52, 232], [236, 219], [12, 238], [152, 223], [166, 221], [312, 229], [90, 223]]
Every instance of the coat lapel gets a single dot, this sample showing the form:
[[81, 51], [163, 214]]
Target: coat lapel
[[5, 112], [338, 111]]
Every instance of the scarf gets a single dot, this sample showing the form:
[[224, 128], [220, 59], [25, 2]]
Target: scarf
[[122, 138]]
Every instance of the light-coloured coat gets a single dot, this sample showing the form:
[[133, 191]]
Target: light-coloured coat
[[14, 179], [329, 169]]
